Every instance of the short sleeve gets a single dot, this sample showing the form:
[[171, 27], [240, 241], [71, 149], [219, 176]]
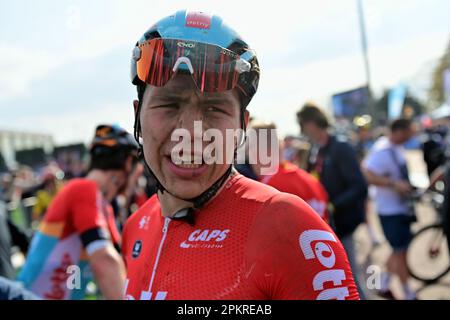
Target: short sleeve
[[378, 162], [296, 256], [87, 217]]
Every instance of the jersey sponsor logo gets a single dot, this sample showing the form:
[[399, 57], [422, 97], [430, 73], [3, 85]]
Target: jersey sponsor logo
[[145, 295], [316, 244], [159, 295], [205, 239], [143, 223], [137, 247], [58, 279]]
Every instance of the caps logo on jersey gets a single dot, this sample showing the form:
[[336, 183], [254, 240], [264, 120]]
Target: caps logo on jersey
[[137, 247], [205, 239]]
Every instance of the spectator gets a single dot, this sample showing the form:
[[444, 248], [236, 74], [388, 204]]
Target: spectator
[[386, 169], [6, 268], [363, 144], [334, 162], [10, 290], [287, 177], [433, 147], [47, 191], [9, 235], [296, 151]]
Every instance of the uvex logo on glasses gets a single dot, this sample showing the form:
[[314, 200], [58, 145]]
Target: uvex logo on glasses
[[182, 44]]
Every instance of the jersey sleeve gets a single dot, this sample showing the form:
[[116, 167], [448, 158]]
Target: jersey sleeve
[[292, 254], [318, 200], [87, 217], [124, 245], [305, 186]]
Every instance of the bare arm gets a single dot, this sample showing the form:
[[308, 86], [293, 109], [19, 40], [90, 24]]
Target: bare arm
[[109, 272], [402, 187], [377, 180], [437, 175]]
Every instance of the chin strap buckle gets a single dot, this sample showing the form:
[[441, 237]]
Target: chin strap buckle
[[186, 214]]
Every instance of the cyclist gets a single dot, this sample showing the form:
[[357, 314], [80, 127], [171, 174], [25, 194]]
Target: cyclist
[[288, 177], [79, 227], [211, 233]]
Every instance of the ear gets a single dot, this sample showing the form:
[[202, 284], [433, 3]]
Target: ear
[[129, 164], [246, 118]]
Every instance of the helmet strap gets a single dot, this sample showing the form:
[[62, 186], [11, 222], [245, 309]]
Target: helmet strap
[[186, 214]]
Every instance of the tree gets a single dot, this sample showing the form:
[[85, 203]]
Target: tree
[[411, 107], [436, 94]]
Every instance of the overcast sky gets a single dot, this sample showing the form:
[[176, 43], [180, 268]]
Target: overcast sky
[[64, 65]]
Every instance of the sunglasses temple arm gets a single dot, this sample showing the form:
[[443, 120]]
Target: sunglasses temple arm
[[242, 66]]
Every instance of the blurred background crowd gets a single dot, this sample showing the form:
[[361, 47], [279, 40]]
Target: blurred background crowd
[[35, 164]]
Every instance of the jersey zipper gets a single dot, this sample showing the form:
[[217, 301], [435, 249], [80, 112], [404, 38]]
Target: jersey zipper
[[163, 239]]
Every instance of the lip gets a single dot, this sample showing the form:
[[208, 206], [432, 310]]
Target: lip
[[184, 173]]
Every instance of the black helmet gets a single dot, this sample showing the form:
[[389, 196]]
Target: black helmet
[[111, 139]]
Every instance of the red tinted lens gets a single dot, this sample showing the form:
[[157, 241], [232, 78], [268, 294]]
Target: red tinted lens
[[151, 67], [214, 67]]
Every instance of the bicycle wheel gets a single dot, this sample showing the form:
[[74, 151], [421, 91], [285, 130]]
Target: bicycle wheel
[[428, 254]]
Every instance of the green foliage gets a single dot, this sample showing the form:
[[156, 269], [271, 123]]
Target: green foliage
[[436, 95]]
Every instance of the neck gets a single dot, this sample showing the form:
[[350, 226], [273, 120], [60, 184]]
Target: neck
[[104, 182], [323, 138], [393, 140], [170, 204], [256, 168]]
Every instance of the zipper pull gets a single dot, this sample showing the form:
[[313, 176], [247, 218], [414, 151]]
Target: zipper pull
[[166, 224]]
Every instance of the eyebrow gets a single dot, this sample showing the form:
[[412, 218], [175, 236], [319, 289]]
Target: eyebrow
[[170, 96], [178, 96], [215, 99]]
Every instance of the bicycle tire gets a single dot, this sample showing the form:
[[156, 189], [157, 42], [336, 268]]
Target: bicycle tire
[[422, 271]]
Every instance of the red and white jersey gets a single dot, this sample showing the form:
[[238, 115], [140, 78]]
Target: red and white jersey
[[291, 179], [249, 242], [78, 222]]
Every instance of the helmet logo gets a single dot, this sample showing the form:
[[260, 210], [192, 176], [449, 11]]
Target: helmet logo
[[198, 20]]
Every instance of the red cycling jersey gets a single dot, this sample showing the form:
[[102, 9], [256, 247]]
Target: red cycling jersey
[[249, 242], [291, 179], [78, 222]]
